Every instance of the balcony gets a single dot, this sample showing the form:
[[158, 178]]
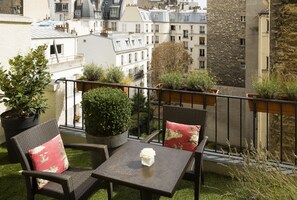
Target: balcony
[[230, 121]]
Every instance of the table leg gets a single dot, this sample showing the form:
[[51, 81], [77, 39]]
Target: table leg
[[145, 195]]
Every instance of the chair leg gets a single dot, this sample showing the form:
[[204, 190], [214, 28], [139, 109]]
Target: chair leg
[[202, 175], [109, 190], [197, 188]]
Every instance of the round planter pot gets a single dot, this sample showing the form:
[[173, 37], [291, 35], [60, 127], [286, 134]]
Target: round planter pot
[[14, 126], [112, 142]]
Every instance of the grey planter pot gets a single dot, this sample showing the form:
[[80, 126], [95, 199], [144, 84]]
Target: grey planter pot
[[112, 142]]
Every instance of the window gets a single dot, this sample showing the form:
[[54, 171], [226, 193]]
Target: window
[[267, 25], [179, 38], [147, 39], [186, 18], [122, 60], [179, 27], [157, 39], [242, 65], [202, 40], [137, 28], [186, 34], [114, 12], [185, 45], [191, 27], [124, 27], [113, 26], [152, 39], [191, 38], [140, 41], [242, 41], [202, 52], [142, 55], [118, 44], [130, 56], [202, 29], [242, 18], [59, 49], [267, 62], [172, 28], [116, 1], [202, 64], [172, 38], [157, 28], [135, 57], [133, 42], [85, 41], [191, 49], [146, 28]]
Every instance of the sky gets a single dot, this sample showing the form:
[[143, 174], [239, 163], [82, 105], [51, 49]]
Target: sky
[[202, 3]]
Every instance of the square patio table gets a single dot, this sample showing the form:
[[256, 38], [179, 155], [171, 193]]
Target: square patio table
[[124, 167]]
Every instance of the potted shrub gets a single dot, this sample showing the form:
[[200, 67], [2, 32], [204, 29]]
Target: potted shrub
[[23, 87], [195, 81], [270, 88], [107, 113], [91, 72]]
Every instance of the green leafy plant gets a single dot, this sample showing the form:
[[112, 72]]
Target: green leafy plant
[[291, 90], [267, 87], [259, 178], [93, 72], [24, 82], [173, 80], [106, 111], [201, 80], [114, 75]]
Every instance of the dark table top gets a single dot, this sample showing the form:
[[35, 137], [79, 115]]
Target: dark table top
[[124, 167]]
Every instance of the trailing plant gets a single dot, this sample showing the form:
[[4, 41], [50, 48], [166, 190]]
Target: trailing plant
[[93, 72], [24, 82], [267, 87], [261, 177], [173, 80], [107, 111], [201, 80], [114, 75]]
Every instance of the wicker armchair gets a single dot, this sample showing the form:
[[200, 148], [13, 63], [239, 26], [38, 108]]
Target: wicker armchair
[[74, 183], [193, 117]]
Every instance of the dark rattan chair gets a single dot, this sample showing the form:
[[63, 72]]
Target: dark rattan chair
[[193, 117], [74, 183]]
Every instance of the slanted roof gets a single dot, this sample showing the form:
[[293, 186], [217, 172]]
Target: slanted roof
[[43, 33]]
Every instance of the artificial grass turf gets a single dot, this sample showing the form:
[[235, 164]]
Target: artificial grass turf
[[12, 184]]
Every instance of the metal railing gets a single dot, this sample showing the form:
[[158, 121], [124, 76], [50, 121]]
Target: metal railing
[[232, 121]]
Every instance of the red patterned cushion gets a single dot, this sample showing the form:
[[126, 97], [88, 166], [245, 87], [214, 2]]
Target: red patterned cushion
[[49, 157], [181, 136]]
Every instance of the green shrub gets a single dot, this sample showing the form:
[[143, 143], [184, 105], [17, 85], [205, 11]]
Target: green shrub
[[114, 75], [259, 178], [93, 72], [107, 111], [291, 90], [24, 83], [201, 80], [267, 87], [173, 80]]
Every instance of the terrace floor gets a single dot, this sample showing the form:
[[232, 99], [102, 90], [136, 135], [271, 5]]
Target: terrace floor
[[13, 184]]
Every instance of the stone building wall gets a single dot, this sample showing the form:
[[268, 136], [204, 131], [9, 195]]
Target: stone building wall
[[224, 51], [283, 59]]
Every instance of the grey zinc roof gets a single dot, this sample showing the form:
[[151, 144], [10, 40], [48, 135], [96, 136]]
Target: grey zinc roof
[[41, 33]]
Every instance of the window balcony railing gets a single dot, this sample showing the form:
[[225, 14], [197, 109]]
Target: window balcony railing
[[232, 121], [139, 75]]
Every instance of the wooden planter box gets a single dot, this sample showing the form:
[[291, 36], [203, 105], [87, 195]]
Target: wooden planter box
[[85, 86], [183, 97], [264, 105]]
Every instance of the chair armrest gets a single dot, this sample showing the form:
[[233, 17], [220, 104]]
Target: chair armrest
[[151, 136], [63, 179], [89, 147], [201, 146]]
